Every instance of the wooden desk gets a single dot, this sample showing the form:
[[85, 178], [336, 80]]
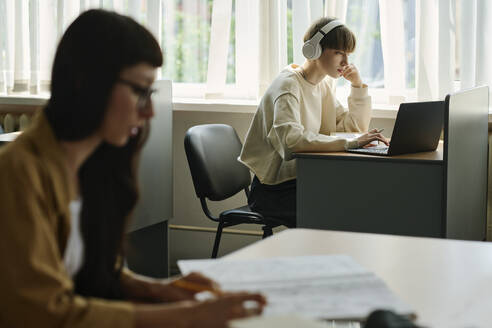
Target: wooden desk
[[354, 192], [448, 282]]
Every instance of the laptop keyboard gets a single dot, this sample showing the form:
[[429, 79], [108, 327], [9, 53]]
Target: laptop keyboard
[[371, 150]]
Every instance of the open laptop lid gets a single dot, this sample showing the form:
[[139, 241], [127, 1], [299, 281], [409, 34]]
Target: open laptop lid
[[417, 128]]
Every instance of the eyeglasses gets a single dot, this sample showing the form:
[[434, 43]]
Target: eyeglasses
[[144, 94]]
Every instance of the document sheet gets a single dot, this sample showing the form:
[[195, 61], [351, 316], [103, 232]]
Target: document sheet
[[325, 287], [288, 321]]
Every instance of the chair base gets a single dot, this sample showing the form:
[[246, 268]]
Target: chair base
[[267, 232]]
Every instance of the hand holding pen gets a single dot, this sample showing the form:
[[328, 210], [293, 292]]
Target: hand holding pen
[[195, 283], [183, 288], [224, 306], [379, 131]]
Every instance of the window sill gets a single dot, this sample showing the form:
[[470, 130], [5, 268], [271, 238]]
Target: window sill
[[27, 100], [249, 106], [214, 105], [383, 111]]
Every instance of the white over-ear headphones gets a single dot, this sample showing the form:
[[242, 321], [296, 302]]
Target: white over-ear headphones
[[311, 48]]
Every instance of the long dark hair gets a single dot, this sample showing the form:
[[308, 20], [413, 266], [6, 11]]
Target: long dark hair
[[95, 48]]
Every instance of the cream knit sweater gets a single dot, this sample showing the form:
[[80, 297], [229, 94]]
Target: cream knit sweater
[[297, 116]]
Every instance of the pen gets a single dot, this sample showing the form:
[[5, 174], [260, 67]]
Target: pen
[[196, 287], [379, 131]]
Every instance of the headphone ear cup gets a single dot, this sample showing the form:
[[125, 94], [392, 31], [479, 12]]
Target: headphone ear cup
[[311, 50], [317, 52]]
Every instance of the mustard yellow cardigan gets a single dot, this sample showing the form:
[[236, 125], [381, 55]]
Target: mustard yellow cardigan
[[35, 289]]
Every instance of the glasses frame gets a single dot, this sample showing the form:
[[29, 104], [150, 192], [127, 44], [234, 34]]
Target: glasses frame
[[144, 94]]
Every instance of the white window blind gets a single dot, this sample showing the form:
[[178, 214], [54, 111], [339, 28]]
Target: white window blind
[[303, 14], [393, 47], [476, 48], [247, 48], [219, 41]]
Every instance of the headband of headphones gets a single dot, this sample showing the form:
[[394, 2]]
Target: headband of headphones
[[311, 48]]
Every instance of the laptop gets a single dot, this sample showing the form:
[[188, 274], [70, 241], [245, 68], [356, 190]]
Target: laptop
[[417, 128]]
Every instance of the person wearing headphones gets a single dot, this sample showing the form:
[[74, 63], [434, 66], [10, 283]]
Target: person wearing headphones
[[297, 114]]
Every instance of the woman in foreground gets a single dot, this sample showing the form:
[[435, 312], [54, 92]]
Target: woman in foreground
[[68, 186]]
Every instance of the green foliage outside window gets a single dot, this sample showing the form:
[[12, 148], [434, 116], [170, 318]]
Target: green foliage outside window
[[186, 51]]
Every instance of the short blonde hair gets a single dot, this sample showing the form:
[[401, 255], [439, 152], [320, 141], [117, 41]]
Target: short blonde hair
[[340, 38]]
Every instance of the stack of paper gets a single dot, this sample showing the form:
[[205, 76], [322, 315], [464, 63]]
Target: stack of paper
[[286, 321], [326, 287], [289, 321]]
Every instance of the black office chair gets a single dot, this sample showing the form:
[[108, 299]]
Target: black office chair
[[212, 151]]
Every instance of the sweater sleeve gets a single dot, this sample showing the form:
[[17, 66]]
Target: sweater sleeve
[[358, 116], [288, 135], [36, 289]]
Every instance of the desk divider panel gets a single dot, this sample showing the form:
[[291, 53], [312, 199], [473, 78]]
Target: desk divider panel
[[466, 163], [148, 252]]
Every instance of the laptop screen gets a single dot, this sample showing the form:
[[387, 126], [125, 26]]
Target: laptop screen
[[417, 128]]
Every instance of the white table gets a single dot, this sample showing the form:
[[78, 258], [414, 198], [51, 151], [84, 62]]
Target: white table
[[448, 282]]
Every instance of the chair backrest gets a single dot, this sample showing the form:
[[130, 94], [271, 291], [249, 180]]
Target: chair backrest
[[212, 151]]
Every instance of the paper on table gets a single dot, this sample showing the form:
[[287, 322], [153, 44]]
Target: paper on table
[[280, 321], [328, 286], [7, 137]]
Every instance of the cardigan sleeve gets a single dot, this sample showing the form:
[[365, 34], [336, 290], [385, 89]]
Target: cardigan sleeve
[[36, 289], [288, 135], [358, 116]]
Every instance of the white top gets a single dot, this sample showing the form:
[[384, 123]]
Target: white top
[[297, 116], [74, 252]]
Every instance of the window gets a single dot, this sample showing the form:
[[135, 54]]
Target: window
[[235, 48], [363, 20], [363, 17], [185, 39]]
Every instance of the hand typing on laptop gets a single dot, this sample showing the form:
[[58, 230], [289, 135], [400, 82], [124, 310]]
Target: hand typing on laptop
[[372, 135]]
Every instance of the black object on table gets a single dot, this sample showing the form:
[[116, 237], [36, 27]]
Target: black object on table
[[388, 319]]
